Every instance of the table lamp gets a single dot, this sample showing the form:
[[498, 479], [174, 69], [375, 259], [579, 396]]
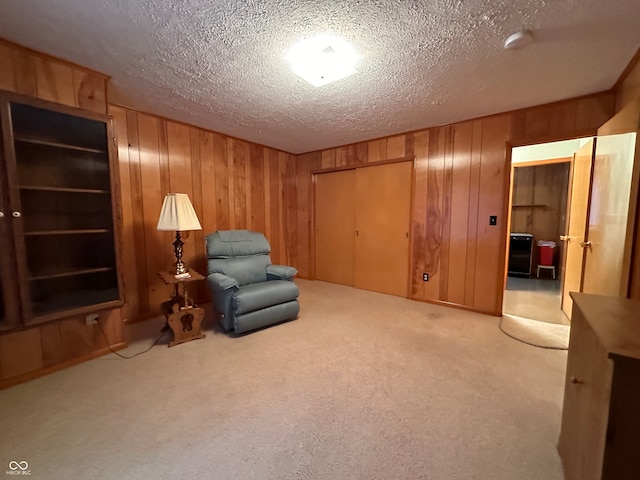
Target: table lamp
[[178, 214]]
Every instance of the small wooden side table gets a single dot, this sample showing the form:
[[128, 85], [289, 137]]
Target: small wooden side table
[[182, 314]]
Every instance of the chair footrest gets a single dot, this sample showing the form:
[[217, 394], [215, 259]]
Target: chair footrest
[[256, 296], [266, 316]]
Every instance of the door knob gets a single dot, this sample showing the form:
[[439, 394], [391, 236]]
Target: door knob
[[1, 214], [16, 214], [565, 238], [585, 244]]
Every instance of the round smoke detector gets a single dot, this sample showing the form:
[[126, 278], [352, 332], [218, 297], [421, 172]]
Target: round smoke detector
[[518, 40]]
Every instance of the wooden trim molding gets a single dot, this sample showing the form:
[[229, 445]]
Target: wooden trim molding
[[410, 158], [537, 163]]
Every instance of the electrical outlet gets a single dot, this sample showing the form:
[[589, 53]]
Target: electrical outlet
[[425, 277], [91, 319]]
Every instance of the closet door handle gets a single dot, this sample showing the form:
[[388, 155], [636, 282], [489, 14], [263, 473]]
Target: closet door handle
[[16, 214], [585, 244], [1, 214]]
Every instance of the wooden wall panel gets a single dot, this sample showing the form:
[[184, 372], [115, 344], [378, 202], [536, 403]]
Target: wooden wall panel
[[288, 177], [129, 270], [223, 190], [628, 86], [490, 239], [306, 164], [275, 210], [7, 80], [239, 182], [459, 216], [30, 73], [472, 223], [158, 252], [256, 189], [21, 352], [54, 82], [90, 91], [434, 219], [419, 214], [24, 73], [561, 120]]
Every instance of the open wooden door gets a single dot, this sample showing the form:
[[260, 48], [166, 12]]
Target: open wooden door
[[612, 214], [382, 228], [577, 224], [335, 226]]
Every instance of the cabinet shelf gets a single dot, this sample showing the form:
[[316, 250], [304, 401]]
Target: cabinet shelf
[[62, 257], [62, 189], [47, 143], [70, 273], [68, 232]]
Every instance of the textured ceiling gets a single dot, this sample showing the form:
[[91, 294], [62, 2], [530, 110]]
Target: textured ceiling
[[221, 64]]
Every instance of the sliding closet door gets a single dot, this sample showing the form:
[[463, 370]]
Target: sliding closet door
[[382, 228], [335, 226]]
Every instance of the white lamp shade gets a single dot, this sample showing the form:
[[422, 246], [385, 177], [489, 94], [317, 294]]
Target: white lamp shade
[[178, 213]]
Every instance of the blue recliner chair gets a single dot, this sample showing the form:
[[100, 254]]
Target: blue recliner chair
[[248, 291]]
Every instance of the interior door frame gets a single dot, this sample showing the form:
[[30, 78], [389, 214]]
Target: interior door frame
[[509, 203], [320, 171]]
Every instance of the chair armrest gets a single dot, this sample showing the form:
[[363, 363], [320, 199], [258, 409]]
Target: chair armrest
[[220, 282], [280, 272]]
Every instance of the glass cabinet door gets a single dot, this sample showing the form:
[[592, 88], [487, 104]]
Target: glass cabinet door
[[66, 229], [8, 297]]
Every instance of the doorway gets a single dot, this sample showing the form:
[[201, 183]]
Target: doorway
[[539, 201]]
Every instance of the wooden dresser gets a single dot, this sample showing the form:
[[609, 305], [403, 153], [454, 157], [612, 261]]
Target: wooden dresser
[[600, 433]]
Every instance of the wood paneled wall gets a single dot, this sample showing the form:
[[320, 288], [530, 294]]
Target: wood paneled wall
[[461, 177], [628, 86], [31, 73], [628, 92], [232, 184], [37, 350]]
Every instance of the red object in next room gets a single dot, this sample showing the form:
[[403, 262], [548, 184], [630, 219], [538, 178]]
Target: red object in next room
[[546, 249]]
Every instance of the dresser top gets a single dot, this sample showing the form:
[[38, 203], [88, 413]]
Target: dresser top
[[615, 320]]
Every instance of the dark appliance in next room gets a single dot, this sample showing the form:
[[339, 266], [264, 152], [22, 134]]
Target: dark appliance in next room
[[520, 252]]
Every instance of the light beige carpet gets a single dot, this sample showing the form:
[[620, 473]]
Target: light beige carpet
[[361, 386], [536, 332]]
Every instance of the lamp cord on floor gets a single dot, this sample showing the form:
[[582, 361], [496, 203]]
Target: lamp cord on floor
[[528, 343], [135, 354]]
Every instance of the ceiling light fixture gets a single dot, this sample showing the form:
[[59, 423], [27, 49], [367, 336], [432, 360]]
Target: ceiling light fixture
[[323, 59], [518, 40]]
